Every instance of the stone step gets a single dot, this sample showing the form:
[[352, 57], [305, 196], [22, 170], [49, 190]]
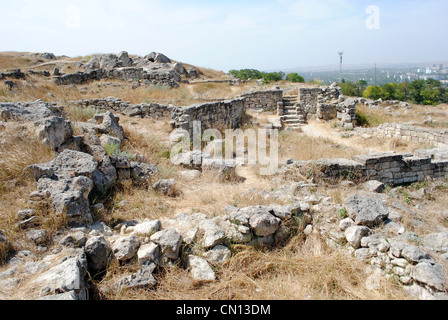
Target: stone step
[[295, 125], [292, 121], [292, 116], [290, 97]]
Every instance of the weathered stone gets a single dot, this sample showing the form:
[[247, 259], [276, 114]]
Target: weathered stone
[[210, 233], [432, 275], [143, 278], [74, 240], [99, 253], [66, 276], [262, 221], [436, 242], [169, 242], [414, 254], [234, 232], [366, 211], [346, 223], [70, 296], [147, 228], [218, 255], [355, 234], [374, 186], [200, 269], [54, 131], [165, 186], [38, 236], [125, 248], [102, 228], [148, 253]]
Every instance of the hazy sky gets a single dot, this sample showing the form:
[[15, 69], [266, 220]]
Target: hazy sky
[[261, 34]]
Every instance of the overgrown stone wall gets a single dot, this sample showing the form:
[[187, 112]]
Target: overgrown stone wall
[[388, 167], [409, 132], [266, 100], [168, 78], [212, 115], [153, 110]]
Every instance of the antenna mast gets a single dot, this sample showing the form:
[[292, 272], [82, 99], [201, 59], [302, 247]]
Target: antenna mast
[[340, 65]]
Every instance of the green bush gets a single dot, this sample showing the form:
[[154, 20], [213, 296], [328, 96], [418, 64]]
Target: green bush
[[294, 77]]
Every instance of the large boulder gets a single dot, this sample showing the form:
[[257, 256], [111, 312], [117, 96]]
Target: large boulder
[[69, 163], [66, 181], [28, 111], [54, 131]]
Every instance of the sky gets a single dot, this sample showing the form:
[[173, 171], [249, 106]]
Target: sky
[[233, 34]]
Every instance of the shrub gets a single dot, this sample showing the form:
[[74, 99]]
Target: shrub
[[294, 77]]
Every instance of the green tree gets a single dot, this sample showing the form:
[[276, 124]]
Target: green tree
[[373, 92], [246, 74], [294, 77], [273, 76], [416, 88]]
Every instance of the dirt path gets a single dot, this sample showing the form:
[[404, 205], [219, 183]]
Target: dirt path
[[324, 130]]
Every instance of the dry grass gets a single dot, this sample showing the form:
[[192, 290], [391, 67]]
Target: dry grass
[[302, 270], [19, 147], [417, 114], [299, 146]]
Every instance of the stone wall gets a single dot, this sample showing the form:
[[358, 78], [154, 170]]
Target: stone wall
[[388, 167], [213, 115], [309, 98], [168, 78], [143, 110], [409, 132], [266, 100]]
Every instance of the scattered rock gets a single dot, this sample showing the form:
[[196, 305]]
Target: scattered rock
[[99, 253], [218, 255], [210, 233], [366, 211], [165, 186], [374, 186], [148, 253], [355, 234], [200, 269], [143, 278], [125, 248], [432, 275], [66, 276], [147, 228], [169, 242], [437, 242], [38, 236]]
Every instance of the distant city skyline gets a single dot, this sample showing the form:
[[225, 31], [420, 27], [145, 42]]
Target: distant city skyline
[[224, 35]]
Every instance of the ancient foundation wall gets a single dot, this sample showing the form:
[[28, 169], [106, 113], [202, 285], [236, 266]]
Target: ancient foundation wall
[[266, 100], [408, 132], [212, 115], [153, 110], [388, 167]]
